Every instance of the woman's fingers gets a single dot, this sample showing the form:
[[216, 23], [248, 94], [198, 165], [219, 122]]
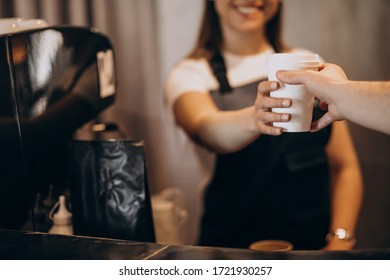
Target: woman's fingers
[[264, 120], [268, 86], [268, 117], [264, 103], [268, 129]]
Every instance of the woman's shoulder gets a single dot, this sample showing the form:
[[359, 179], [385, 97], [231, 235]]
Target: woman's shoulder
[[190, 64], [190, 70], [188, 75]]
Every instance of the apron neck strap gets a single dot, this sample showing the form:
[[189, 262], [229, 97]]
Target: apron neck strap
[[217, 64]]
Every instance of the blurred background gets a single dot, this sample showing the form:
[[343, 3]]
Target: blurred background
[[149, 36]]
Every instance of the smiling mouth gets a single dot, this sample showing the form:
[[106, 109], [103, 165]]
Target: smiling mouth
[[248, 10]]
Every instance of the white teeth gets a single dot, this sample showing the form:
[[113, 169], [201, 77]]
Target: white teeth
[[247, 10]]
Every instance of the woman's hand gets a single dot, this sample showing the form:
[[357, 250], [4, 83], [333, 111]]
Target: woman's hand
[[263, 105], [338, 245]]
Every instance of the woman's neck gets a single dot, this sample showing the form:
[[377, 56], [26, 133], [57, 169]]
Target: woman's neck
[[245, 43]]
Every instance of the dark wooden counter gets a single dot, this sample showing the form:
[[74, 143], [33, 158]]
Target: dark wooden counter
[[19, 245]]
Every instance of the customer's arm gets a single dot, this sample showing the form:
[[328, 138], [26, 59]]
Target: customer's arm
[[365, 103], [346, 185]]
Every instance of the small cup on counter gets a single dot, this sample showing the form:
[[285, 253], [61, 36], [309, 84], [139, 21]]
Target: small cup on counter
[[271, 245]]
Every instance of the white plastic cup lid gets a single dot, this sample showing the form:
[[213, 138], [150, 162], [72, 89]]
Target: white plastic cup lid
[[286, 59]]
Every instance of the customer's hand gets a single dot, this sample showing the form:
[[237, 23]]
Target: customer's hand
[[325, 85], [263, 105]]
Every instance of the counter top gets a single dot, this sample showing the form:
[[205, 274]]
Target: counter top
[[20, 245]]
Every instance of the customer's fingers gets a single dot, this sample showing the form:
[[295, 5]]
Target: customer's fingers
[[323, 122], [295, 77]]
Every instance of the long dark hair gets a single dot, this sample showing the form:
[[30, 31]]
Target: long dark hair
[[210, 37]]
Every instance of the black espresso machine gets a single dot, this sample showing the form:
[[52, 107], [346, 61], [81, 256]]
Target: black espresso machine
[[53, 80]]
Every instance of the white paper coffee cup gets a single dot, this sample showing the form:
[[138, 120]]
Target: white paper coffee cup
[[301, 110]]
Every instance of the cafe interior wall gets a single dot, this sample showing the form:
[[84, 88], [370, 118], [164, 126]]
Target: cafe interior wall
[[149, 36]]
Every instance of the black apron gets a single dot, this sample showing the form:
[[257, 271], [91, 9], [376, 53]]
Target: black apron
[[275, 188]]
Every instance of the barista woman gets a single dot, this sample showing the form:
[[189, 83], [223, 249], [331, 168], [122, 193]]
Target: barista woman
[[297, 186]]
